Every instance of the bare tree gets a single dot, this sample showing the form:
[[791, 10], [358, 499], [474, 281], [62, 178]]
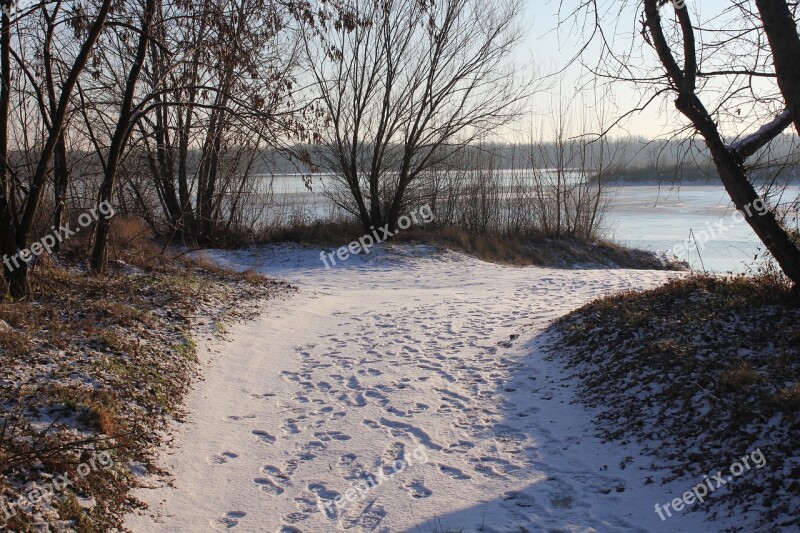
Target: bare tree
[[404, 85], [720, 72], [222, 89], [570, 172], [128, 115], [20, 202], [780, 26]]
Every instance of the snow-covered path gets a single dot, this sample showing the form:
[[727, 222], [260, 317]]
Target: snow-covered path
[[416, 381]]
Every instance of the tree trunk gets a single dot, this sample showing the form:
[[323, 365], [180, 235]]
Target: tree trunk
[[16, 277], [781, 30], [726, 160], [125, 123], [61, 182], [40, 175], [744, 195]]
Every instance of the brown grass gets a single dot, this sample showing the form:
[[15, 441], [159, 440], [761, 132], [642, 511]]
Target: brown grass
[[743, 376], [15, 343], [494, 248], [132, 241], [318, 233], [200, 260], [789, 398], [521, 249]]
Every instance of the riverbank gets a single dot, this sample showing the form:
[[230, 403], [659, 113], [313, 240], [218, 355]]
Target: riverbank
[[519, 250]]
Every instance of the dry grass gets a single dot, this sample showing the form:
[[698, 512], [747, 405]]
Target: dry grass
[[130, 241], [519, 249], [535, 249], [740, 378], [15, 343], [789, 398], [318, 233], [488, 247]]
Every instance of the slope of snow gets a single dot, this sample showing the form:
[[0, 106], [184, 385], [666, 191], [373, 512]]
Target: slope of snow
[[409, 354]]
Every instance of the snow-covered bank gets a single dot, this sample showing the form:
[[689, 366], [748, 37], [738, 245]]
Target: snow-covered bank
[[402, 355]]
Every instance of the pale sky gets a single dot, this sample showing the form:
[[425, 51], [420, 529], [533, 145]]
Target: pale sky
[[551, 48]]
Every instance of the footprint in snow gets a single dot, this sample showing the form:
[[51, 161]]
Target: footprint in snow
[[370, 424], [331, 435], [325, 497], [461, 446], [267, 485], [294, 518], [300, 398], [264, 396], [348, 458], [394, 452], [263, 436], [455, 473], [306, 504], [313, 446], [276, 473], [322, 491], [290, 377], [520, 499], [230, 520], [418, 490], [222, 458], [368, 519], [290, 427]]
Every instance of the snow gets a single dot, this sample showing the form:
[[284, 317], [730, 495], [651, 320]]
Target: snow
[[410, 354], [781, 120]]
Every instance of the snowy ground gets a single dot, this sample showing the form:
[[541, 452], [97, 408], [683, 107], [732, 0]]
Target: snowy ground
[[430, 358]]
